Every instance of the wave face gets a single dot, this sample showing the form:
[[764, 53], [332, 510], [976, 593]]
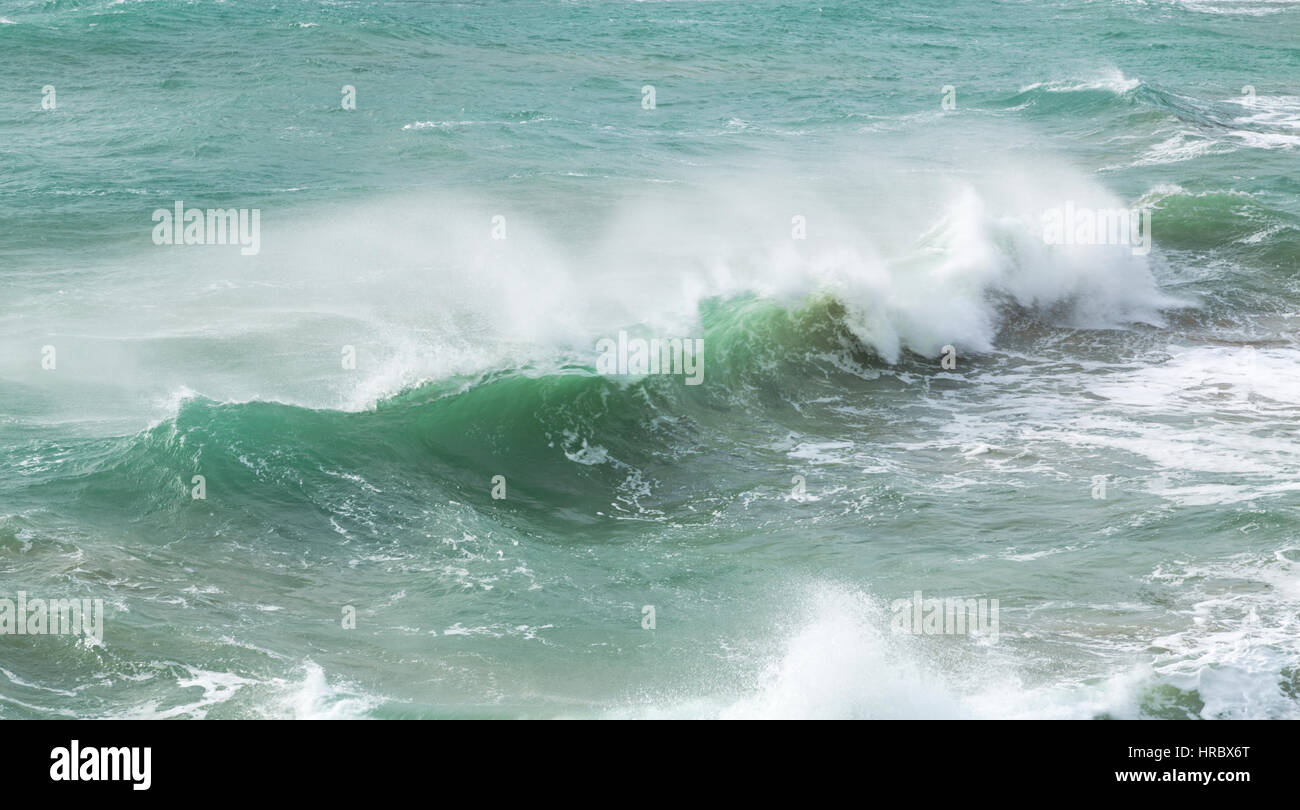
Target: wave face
[[423, 496]]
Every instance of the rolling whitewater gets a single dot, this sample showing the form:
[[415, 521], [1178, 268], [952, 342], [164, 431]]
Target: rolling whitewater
[[371, 466]]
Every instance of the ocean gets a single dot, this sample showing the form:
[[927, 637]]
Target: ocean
[[603, 359]]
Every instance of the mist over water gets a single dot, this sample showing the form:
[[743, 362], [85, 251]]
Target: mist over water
[[1112, 455]]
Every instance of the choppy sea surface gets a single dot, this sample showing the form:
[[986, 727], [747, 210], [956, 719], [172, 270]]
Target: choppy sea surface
[[1110, 451]]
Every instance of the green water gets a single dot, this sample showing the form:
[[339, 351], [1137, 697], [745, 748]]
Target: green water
[[349, 558]]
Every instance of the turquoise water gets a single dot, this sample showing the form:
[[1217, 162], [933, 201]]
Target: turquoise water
[[828, 464]]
